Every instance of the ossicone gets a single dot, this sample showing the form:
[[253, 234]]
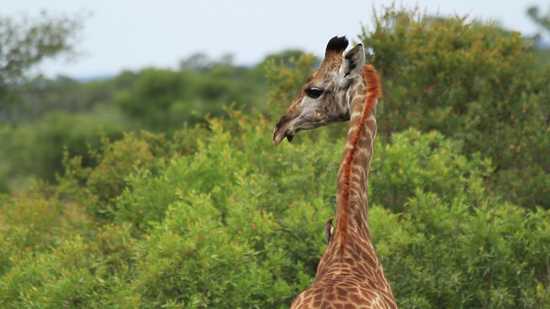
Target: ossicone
[[337, 45]]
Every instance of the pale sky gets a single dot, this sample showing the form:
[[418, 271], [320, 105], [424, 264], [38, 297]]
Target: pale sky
[[131, 34]]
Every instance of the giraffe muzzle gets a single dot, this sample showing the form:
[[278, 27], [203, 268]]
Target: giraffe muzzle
[[282, 130], [289, 126], [280, 134]]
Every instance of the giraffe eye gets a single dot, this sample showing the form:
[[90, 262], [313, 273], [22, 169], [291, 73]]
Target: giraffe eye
[[314, 92]]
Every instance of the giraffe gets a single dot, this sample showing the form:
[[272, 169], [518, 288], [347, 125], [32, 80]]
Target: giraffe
[[349, 274]]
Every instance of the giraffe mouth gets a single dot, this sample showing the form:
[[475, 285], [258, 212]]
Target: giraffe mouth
[[282, 130], [280, 134]]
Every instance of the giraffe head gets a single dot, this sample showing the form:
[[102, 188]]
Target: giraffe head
[[326, 96]]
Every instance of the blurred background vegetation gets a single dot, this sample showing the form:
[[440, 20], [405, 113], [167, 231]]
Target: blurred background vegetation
[[160, 187]]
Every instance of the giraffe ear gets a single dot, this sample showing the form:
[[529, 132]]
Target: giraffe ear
[[354, 60]]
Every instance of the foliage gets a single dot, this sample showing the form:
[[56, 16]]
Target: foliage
[[536, 16], [234, 223], [483, 87], [426, 162], [34, 222], [36, 148], [26, 42], [116, 161], [456, 254], [162, 99], [76, 273], [40, 96]]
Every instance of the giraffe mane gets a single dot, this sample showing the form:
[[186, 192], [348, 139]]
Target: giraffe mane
[[374, 91]]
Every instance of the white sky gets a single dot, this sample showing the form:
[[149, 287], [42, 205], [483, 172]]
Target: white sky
[[130, 34]]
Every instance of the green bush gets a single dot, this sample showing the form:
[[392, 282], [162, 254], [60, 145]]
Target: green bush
[[36, 149], [77, 273], [429, 162], [100, 185], [163, 100], [471, 81], [33, 223], [455, 254], [238, 223], [195, 259]]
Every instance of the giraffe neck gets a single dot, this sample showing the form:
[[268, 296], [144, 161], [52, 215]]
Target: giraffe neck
[[352, 203], [351, 255]]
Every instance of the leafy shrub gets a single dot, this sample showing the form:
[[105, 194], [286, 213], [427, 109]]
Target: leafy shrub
[[471, 81], [33, 223], [162, 100], [196, 260], [275, 203], [428, 162], [118, 160], [78, 273], [455, 254], [100, 185], [36, 149], [236, 224]]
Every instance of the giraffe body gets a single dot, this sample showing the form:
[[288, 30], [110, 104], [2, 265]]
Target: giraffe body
[[349, 274]]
